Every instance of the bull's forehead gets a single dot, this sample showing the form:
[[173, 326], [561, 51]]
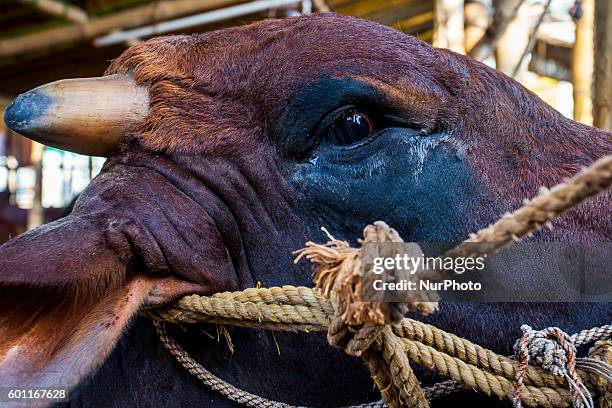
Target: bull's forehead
[[235, 84]]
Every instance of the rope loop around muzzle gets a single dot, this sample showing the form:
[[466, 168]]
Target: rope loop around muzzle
[[360, 327], [376, 331]]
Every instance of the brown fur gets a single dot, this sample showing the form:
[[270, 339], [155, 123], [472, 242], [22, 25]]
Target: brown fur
[[197, 198]]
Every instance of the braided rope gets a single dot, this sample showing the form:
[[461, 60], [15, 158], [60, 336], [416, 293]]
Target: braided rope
[[600, 355], [291, 308], [590, 335], [215, 383], [472, 366], [539, 210], [482, 380], [248, 399], [553, 350], [402, 377], [358, 327]]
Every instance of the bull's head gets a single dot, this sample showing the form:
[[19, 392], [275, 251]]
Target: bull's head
[[228, 150]]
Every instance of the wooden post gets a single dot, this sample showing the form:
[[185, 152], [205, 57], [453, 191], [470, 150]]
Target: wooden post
[[582, 64], [602, 101], [134, 17], [505, 12], [321, 6], [512, 42], [448, 25], [476, 16], [59, 9], [36, 214]]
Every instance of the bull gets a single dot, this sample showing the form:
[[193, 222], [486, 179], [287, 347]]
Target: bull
[[229, 149]]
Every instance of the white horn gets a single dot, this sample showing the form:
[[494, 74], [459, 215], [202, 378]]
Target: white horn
[[86, 115]]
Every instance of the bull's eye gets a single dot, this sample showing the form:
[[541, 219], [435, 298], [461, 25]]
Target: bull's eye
[[351, 127]]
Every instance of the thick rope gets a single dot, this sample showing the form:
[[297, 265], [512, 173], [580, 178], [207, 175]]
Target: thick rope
[[245, 398], [539, 210], [361, 328], [400, 387], [447, 354], [282, 308], [601, 373]]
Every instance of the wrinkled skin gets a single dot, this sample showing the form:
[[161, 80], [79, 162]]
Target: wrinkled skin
[[231, 172]]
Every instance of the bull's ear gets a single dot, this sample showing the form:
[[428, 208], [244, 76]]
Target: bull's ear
[[69, 288], [66, 294]]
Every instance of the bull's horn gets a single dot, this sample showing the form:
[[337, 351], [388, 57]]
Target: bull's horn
[[87, 116]]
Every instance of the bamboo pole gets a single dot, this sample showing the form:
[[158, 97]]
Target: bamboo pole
[[135, 17], [505, 12], [602, 101], [36, 214], [512, 42], [448, 25], [59, 9], [583, 63], [322, 6], [533, 38], [199, 19], [476, 15]]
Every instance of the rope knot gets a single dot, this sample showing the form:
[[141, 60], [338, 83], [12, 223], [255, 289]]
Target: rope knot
[[553, 350], [361, 326]]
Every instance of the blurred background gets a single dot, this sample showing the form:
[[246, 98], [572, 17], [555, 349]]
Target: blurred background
[[560, 49]]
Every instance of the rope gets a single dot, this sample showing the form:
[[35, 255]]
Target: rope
[[470, 365], [598, 356], [553, 350], [215, 383], [538, 211], [376, 332], [251, 400], [245, 398], [358, 327], [590, 335]]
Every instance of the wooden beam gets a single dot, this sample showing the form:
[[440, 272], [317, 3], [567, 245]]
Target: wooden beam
[[321, 6], [583, 63], [511, 43], [602, 101], [363, 9], [392, 15], [505, 12], [476, 16], [59, 9], [200, 19], [412, 24], [448, 25], [36, 214], [131, 18]]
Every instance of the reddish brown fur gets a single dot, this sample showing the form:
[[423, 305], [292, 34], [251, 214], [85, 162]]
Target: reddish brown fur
[[220, 96], [51, 316], [212, 97], [209, 96]]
